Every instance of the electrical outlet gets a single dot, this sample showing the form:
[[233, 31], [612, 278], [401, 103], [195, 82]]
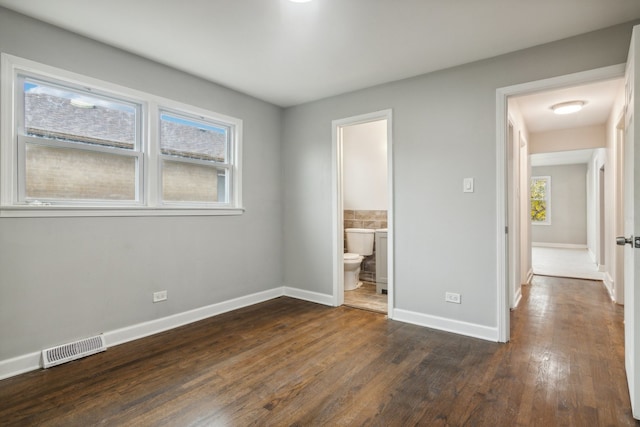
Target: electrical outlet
[[452, 297], [159, 296]]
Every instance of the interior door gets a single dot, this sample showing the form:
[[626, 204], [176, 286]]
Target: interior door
[[631, 229]]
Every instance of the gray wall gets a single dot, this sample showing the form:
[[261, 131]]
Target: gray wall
[[67, 278], [568, 205], [443, 131]]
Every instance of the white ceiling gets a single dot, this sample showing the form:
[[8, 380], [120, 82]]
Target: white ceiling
[[598, 97], [288, 53]]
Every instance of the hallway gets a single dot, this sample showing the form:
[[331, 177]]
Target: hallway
[[562, 262], [572, 339]]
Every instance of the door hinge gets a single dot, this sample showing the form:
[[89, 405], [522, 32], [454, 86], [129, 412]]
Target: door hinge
[[506, 230]]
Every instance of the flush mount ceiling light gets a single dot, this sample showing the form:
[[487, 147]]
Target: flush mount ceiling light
[[567, 107]]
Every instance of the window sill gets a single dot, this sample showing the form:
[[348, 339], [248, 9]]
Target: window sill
[[64, 211]]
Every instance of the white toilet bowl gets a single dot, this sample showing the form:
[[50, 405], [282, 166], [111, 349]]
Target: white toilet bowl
[[352, 271], [359, 244]]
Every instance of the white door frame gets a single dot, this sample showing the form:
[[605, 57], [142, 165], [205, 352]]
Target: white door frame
[[513, 153], [618, 251], [605, 73], [338, 210]]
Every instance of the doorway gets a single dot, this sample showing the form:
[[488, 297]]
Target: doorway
[[504, 240], [354, 200], [571, 239]]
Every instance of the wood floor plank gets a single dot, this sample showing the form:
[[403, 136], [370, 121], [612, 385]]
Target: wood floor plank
[[291, 362]]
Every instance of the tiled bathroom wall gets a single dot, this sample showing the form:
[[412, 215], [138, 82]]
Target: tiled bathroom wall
[[371, 220], [365, 219]]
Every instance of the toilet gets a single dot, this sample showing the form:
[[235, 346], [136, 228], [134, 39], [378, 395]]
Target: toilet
[[359, 245]]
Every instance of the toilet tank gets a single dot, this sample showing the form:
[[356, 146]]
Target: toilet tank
[[360, 241]]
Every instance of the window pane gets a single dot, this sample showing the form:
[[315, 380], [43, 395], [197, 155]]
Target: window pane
[[76, 116], [63, 173], [538, 189], [538, 210], [194, 139], [188, 182]]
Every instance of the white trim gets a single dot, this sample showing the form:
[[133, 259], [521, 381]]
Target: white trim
[[58, 211], [600, 74], [338, 210], [337, 215], [391, 235], [303, 294], [517, 297], [448, 325], [7, 129], [502, 220], [608, 283], [558, 245], [20, 364], [33, 361], [529, 276], [141, 330]]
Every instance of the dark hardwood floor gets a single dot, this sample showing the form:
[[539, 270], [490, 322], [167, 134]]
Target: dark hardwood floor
[[289, 362]]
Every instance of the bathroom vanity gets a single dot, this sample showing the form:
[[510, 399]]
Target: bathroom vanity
[[381, 260]]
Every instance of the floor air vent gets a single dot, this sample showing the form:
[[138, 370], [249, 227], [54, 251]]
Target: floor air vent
[[72, 351]]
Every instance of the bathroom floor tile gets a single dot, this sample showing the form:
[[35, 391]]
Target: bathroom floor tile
[[366, 298]]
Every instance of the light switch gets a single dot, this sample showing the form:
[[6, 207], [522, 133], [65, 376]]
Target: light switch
[[467, 185]]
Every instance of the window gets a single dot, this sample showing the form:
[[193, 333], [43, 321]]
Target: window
[[541, 200], [76, 146], [73, 145], [195, 159]]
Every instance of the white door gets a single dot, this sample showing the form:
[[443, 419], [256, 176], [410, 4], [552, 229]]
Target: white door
[[631, 229]]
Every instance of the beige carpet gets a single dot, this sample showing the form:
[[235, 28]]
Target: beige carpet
[[575, 263]]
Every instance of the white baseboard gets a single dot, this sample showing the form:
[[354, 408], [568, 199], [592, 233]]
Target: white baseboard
[[558, 245], [302, 294], [529, 276], [448, 325], [20, 365], [518, 297], [32, 361], [141, 330], [608, 283]]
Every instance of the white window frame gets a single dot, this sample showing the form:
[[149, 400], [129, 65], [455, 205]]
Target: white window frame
[[547, 199], [22, 140], [149, 201], [228, 165]]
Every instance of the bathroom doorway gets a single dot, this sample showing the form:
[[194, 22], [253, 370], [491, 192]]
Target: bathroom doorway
[[363, 214]]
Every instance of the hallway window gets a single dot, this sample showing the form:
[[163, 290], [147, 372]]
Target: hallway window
[[541, 200]]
